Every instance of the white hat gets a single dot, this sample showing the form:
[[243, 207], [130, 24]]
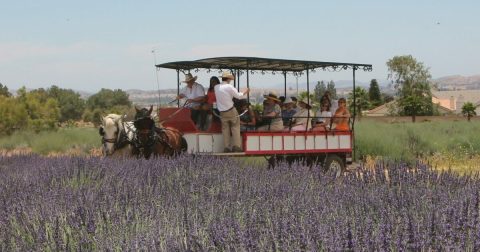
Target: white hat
[[227, 75], [288, 100], [305, 100], [189, 77]]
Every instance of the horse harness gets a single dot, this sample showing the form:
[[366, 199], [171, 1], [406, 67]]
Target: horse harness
[[121, 139], [150, 136]]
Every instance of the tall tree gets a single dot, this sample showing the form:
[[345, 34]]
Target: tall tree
[[13, 115], [411, 79], [106, 101], [71, 104], [43, 111], [468, 110], [331, 88], [319, 90], [107, 98], [361, 101], [374, 94], [4, 91]]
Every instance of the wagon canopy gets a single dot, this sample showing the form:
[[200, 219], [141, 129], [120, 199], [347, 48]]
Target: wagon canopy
[[262, 64]]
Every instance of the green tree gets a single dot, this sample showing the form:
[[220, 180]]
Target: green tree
[[319, 90], [374, 95], [468, 110], [43, 111], [71, 104], [14, 115], [107, 98], [304, 94], [331, 88], [411, 79], [387, 98], [104, 102], [4, 91], [361, 101]]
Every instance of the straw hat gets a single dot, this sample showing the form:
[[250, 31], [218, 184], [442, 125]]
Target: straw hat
[[305, 100], [189, 77], [227, 75], [272, 96]]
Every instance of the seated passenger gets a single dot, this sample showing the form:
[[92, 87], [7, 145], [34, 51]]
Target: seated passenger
[[271, 119], [195, 94], [302, 120], [294, 99], [323, 118], [341, 116], [247, 116], [211, 99], [288, 112]]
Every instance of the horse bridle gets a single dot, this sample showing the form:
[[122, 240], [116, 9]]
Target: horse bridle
[[109, 140]]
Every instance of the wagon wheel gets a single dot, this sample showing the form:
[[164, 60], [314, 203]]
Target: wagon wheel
[[334, 165]]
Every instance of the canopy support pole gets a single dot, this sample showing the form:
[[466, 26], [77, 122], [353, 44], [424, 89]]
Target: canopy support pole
[[308, 97], [178, 87], [238, 82], [354, 115], [285, 84], [248, 84]]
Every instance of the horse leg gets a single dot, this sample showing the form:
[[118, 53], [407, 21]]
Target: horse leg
[[183, 145]]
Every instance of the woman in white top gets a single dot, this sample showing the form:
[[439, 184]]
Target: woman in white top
[[302, 120], [323, 117]]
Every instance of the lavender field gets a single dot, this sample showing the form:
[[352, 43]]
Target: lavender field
[[206, 203]]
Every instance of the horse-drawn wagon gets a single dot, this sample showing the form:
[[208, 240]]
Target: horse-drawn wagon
[[334, 148]]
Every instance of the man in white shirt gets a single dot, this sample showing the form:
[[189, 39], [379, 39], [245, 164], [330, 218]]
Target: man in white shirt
[[224, 93], [195, 95]]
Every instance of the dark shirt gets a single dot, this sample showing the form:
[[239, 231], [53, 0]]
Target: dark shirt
[[287, 115]]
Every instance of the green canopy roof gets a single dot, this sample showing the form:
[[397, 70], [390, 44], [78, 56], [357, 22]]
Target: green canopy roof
[[262, 64]]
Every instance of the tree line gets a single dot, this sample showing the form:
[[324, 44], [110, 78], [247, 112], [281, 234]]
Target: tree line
[[44, 109], [413, 86]]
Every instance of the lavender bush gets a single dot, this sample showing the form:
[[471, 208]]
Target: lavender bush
[[207, 203]]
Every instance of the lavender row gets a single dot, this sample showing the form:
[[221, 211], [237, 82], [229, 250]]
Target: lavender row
[[207, 203]]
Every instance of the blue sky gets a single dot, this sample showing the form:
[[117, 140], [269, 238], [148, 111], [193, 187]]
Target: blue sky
[[88, 45]]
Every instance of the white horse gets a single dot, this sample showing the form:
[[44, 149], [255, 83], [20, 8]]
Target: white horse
[[117, 136]]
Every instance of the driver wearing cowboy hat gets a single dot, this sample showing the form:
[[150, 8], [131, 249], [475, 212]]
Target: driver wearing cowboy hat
[[224, 93], [195, 95]]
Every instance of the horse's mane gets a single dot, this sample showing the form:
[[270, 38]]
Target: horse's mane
[[113, 117]]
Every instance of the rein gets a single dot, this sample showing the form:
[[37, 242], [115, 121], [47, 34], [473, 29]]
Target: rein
[[171, 115], [176, 112]]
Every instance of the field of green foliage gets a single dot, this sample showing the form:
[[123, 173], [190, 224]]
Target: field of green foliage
[[445, 142]]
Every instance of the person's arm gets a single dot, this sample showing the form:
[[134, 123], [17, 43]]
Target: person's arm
[[199, 93], [271, 114], [236, 94], [276, 111], [197, 99]]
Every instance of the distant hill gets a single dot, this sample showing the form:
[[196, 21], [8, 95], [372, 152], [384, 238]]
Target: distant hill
[[458, 82]]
